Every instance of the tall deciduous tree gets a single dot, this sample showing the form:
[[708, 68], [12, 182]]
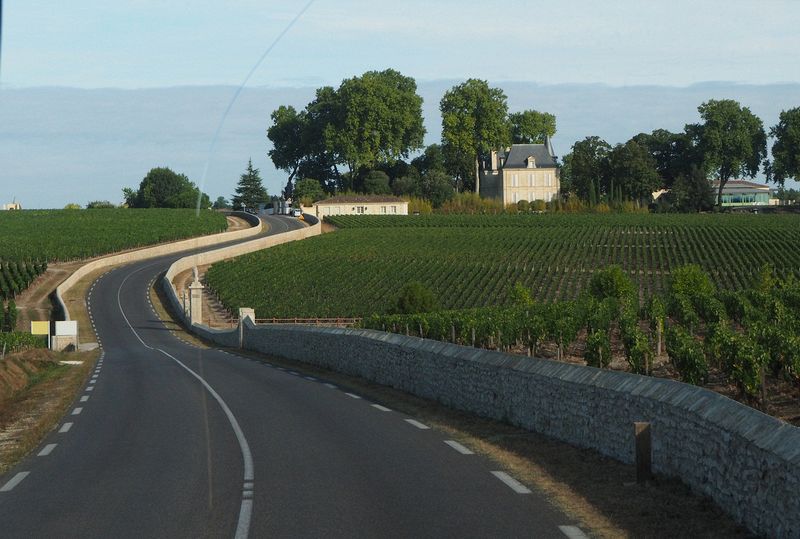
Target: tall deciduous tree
[[250, 192], [163, 188], [632, 170], [377, 118], [308, 191], [786, 150], [731, 139], [586, 166], [289, 136], [674, 153], [531, 126], [474, 122]]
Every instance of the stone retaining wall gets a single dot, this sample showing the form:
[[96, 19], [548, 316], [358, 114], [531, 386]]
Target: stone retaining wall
[[748, 462]]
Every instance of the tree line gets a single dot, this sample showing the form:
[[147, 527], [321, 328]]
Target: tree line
[[729, 143], [360, 136]]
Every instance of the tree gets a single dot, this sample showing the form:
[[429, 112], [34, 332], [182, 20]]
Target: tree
[[163, 188], [11, 315], [99, 205], [531, 126], [376, 118], [72, 206], [221, 204], [308, 191], [437, 188], [786, 150], [674, 153], [474, 122], [289, 136], [377, 183], [691, 192], [249, 192], [632, 169], [731, 140], [415, 297], [586, 165]]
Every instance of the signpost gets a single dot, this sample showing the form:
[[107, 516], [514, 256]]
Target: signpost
[[41, 328]]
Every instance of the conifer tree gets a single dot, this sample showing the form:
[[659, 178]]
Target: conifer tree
[[249, 192]]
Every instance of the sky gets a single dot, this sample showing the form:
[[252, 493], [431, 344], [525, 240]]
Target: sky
[[94, 93], [156, 43]]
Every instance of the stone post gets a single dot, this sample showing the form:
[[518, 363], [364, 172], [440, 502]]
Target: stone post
[[196, 300], [245, 312], [644, 457]]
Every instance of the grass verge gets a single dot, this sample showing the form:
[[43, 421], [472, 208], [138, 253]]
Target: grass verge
[[28, 414]]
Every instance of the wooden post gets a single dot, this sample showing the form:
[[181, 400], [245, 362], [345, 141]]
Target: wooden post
[[644, 458], [473, 337], [453, 333], [763, 380]]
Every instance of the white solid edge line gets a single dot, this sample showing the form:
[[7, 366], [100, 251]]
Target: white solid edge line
[[352, 395], [381, 408], [573, 532], [512, 483], [65, 428], [458, 447], [77, 411], [417, 424], [46, 450], [14, 481], [246, 509]]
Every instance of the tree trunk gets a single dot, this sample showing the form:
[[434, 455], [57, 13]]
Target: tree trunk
[[719, 192], [477, 177]]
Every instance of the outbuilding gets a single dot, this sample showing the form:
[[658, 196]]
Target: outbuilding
[[361, 205]]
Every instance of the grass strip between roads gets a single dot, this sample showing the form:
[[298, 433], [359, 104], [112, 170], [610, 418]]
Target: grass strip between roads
[[598, 492], [29, 414]]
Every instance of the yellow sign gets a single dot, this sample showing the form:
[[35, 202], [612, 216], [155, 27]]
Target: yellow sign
[[40, 328]]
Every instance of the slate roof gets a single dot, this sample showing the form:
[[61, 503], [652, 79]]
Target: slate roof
[[518, 156], [354, 199]]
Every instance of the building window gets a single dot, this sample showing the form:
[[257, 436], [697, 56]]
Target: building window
[[514, 180], [531, 197], [394, 209], [531, 162], [531, 183], [361, 209], [383, 209], [515, 197]]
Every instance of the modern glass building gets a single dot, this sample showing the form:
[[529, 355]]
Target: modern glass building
[[744, 193]]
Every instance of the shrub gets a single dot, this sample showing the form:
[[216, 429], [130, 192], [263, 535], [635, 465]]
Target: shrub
[[612, 282], [414, 297], [686, 354], [538, 205], [598, 349]]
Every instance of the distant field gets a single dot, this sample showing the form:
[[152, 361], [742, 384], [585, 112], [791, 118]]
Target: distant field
[[30, 239], [474, 261]]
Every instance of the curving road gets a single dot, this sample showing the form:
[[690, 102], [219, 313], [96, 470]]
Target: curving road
[[169, 440]]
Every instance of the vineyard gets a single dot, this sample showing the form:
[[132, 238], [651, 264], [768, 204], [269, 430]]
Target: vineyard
[[63, 235], [474, 261], [33, 238]]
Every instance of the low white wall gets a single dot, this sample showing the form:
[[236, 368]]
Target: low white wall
[[224, 253], [152, 252]]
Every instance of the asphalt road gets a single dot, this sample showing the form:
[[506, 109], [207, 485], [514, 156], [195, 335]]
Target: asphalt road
[[169, 440]]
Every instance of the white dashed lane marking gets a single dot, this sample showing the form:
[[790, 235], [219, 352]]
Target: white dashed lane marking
[[65, 428], [352, 395], [381, 408], [330, 385], [46, 450], [90, 388], [77, 411], [512, 483], [14, 481], [85, 398], [310, 378], [417, 424], [458, 447], [92, 381], [573, 532]]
